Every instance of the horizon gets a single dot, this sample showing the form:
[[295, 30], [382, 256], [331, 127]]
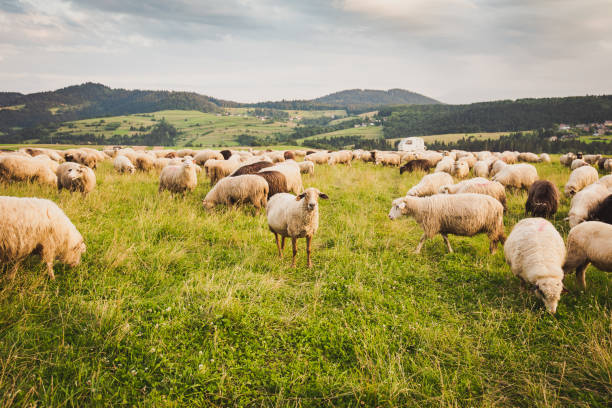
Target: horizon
[[454, 51]]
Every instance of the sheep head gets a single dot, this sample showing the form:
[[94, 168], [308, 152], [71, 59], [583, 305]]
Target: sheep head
[[310, 198], [549, 291]]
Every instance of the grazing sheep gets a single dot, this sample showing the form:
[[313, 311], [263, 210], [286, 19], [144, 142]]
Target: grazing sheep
[[123, 165], [75, 177], [82, 157], [25, 168], [478, 185], [585, 201], [481, 169], [528, 157], [36, 226], [317, 157], [496, 167], [603, 211], [295, 217], [218, 169], [445, 165], [589, 242], [252, 168], [461, 169], [430, 184], [591, 158], [52, 164], [432, 157], [578, 163], [606, 181], [414, 165], [178, 179], [567, 159], [579, 179], [517, 175], [542, 199], [238, 190], [341, 157], [459, 214], [144, 162], [366, 157], [161, 162], [186, 152], [535, 253], [292, 174], [277, 182], [201, 157], [306, 167], [544, 157], [509, 157], [387, 159]]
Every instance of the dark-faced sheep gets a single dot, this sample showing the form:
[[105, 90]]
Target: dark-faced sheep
[[542, 199], [226, 154], [603, 211], [414, 165]]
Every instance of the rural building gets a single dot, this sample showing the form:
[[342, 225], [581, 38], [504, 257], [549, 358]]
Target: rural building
[[410, 144]]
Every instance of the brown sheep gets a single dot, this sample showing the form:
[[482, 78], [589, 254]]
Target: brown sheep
[[414, 165], [277, 182], [289, 155], [252, 168], [144, 162], [542, 199]]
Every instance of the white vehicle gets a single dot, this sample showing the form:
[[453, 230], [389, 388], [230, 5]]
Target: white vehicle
[[411, 144]]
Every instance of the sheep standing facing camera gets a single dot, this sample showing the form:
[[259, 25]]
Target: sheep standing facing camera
[[295, 217], [178, 179]]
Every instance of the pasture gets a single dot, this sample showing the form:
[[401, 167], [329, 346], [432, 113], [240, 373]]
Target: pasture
[[175, 306]]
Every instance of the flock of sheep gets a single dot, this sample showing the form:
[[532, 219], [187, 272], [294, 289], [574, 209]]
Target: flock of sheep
[[534, 249]]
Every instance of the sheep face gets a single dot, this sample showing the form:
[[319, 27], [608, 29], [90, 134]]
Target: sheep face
[[208, 205], [570, 191], [444, 189], [397, 209], [72, 257], [310, 198], [549, 291]]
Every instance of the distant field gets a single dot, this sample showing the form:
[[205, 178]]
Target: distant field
[[366, 132], [453, 137]]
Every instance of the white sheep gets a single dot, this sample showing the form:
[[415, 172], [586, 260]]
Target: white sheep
[[218, 169], [430, 184], [567, 159], [545, 158], [292, 174], [37, 226], [75, 177], [478, 185], [578, 163], [591, 158], [24, 168], [580, 178], [606, 181], [387, 158], [481, 168], [341, 157], [238, 190], [306, 167], [445, 165], [459, 214], [295, 217], [585, 201], [123, 165], [589, 242], [517, 175], [461, 169], [318, 157], [528, 157], [496, 167], [535, 252], [178, 179], [202, 156]]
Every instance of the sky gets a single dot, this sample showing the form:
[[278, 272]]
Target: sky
[[456, 51]]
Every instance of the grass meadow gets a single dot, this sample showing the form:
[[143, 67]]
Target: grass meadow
[[174, 306]]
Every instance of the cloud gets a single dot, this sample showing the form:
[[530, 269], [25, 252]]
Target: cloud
[[248, 50]]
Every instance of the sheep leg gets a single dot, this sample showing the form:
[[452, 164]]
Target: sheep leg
[[448, 245], [278, 245], [294, 245], [13, 271], [283, 244], [308, 242], [421, 242], [581, 275], [48, 258], [50, 270]]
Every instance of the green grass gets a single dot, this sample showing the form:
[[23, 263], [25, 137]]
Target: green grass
[[365, 132], [173, 306], [453, 137]]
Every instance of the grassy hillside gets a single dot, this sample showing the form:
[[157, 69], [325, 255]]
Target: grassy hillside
[[365, 132], [174, 306]]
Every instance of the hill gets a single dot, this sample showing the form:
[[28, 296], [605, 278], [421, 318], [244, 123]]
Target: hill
[[373, 97], [497, 116], [92, 100]]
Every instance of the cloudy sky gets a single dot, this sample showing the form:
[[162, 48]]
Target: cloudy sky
[[457, 51]]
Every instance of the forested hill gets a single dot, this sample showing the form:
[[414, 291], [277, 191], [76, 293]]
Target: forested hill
[[499, 116], [353, 100], [92, 100]]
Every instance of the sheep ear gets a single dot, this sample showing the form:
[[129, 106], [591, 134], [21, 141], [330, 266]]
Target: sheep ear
[[323, 196], [564, 290], [298, 198]]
